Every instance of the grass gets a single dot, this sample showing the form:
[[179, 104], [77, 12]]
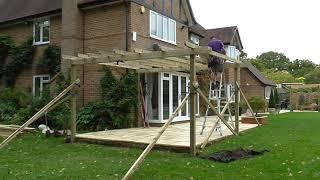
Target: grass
[[292, 139]]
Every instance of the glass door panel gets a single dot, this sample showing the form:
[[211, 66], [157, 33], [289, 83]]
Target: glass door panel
[[183, 95], [166, 99]]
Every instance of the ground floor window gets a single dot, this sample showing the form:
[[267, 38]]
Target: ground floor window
[[164, 93], [267, 92], [39, 84]]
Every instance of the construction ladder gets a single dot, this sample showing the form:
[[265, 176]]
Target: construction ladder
[[218, 93]]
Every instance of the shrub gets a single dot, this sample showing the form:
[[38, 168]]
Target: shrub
[[257, 104], [11, 101], [119, 99]]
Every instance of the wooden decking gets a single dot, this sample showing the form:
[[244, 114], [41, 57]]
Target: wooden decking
[[176, 137]]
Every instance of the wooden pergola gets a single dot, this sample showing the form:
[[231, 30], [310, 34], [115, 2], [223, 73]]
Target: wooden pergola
[[164, 60], [146, 61]]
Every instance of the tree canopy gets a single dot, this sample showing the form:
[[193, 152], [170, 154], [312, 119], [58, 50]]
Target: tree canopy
[[278, 68], [274, 60], [313, 77]]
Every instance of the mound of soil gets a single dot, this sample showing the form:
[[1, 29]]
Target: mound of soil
[[229, 156]]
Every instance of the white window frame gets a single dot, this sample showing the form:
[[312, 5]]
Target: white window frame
[[179, 117], [42, 82], [41, 25], [168, 28]]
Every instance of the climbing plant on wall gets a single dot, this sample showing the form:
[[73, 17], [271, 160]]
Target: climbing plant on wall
[[50, 61], [116, 107], [18, 57], [5, 45]]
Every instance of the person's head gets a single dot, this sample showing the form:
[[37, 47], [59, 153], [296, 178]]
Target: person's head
[[212, 37]]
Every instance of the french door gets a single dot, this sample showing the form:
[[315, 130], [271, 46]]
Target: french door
[[165, 92], [174, 88]]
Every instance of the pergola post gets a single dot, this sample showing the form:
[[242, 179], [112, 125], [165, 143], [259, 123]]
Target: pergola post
[[73, 109], [237, 97], [193, 92]]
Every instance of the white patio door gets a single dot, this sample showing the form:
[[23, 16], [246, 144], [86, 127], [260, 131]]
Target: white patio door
[[174, 89]]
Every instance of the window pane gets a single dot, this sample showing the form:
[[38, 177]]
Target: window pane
[[172, 31], [160, 27], [36, 32], [165, 29], [37, 86], [46, 23], [166, 99], [45, 34], [153, 24]]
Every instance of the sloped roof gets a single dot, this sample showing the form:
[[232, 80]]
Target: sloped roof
[[11, 10], [198, 30], [225, 34], [259, 75], [16, 9]]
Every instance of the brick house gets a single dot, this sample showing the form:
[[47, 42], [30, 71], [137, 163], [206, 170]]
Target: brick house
[[88, 26]]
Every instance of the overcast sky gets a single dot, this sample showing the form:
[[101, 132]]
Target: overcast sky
[[288, 26]]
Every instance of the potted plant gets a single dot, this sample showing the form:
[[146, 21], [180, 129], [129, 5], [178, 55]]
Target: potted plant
[[257, 104]]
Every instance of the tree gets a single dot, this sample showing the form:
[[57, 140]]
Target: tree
[[258, 64], [313, 77], [299, 68], [280, 77], [276, 98], [272, 102], [275, 60]]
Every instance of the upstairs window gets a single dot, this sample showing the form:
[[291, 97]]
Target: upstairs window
[[233, 52], [195, 39], [162, 28], [41, 32]]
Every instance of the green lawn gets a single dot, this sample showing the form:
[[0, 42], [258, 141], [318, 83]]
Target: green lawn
[[292, 139]]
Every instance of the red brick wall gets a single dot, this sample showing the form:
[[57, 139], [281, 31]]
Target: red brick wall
[[250, 85], [20, 33], [140, 23]]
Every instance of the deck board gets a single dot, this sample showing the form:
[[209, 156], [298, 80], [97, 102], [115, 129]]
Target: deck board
[[176, 137]]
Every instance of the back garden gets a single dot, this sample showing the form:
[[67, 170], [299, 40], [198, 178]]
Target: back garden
[[291, 138]]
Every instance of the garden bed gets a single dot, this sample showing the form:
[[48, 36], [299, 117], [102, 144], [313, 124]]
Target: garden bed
[[252, 120]]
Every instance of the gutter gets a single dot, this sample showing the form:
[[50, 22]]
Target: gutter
[[96, 4]]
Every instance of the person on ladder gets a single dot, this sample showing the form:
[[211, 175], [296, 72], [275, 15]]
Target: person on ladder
[[216, 69], [214, 63]]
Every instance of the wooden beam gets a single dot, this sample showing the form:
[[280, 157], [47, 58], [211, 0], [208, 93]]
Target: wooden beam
[[39, 114], [193, 92], [73, 108], [154, 141], [210, 52], [237, 98]]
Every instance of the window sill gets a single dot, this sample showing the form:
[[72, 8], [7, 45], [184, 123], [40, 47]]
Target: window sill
[[170, 42], [40, 43]]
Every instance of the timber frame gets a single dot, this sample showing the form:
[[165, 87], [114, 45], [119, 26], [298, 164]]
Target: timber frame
[[163, 60], [144, 61]]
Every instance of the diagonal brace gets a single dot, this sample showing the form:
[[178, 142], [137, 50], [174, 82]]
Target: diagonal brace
[[205, 142], [196, 86], [245, 99]]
